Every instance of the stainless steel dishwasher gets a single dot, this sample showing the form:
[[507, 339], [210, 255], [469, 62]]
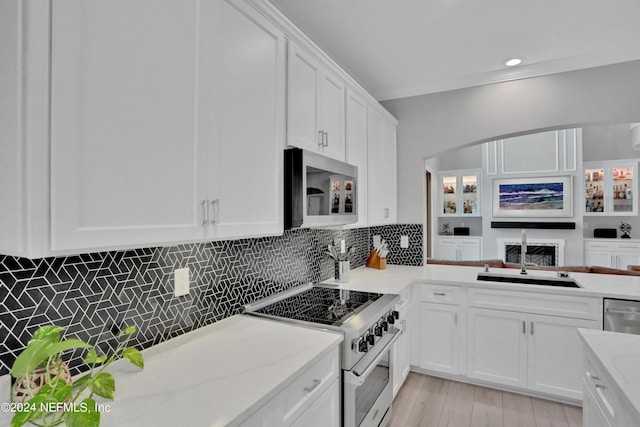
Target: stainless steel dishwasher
[[622, 316]]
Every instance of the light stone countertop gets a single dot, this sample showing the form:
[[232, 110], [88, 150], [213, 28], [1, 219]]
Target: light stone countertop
[[395, 279], [214, 376], [619, 354]]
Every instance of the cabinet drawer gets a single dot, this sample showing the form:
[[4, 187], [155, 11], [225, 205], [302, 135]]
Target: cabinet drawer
[[306, 388], [599, 246], [630, 246], [440, 293], [529, 302], [599, 384]]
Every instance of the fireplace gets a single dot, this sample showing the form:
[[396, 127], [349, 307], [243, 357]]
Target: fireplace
[[544, 252]]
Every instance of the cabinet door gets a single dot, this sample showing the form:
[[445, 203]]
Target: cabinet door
[[599, 258], [302, 119], [382, 178], [356, 149], [629, 254], [469, 250], [331, 120], [497, 347], [246, 160], [324, 412], [448, 250], [124, 142], [592, 414], [439, 338], [622, 185], [555, 355], [449, 186], [401, 350]]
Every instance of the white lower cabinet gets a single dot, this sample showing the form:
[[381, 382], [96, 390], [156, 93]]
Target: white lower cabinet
[[593, 415], [612, 253], [536, 352], [440, 337], [521, 340], [460, 248], [311, 399], [325, 411], [497, 345], [400, 352]]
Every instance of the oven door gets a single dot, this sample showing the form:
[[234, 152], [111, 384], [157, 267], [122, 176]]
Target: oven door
[[368, 386]]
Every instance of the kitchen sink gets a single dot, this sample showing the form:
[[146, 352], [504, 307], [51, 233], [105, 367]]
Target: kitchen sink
[[565, 282]]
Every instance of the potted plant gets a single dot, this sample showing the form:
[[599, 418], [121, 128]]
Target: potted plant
[[44, 393]]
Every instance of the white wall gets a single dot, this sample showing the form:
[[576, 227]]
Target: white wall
[[432, 124]]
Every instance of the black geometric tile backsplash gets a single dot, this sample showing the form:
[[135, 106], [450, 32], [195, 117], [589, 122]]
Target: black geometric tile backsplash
[[93, 295], [412, 255]]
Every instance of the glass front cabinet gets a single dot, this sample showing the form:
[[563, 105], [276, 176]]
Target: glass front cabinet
[[610, 189], [460, 193]]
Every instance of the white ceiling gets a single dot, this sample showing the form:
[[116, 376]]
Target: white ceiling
[[399, 48]]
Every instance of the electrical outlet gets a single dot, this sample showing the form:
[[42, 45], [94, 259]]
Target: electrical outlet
[[181, 281], [376, 241], [404, 242]]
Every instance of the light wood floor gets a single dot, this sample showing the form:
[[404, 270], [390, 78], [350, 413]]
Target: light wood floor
[[431, 401]]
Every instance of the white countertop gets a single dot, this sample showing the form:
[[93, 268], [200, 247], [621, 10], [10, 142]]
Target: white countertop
[[396, 278], [619, 354], [214, 376]]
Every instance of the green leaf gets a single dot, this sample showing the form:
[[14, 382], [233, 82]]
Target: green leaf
[[50, 333], [56, 390], [130, 330], [85, 415], [103, 385], [31, 357], [134, 356], [65, 345], [92, 357], [82, 380], [30, 410]]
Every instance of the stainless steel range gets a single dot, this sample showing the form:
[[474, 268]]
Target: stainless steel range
[[366, 320]]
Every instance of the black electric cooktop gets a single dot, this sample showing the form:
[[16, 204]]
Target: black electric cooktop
[[326, 306]]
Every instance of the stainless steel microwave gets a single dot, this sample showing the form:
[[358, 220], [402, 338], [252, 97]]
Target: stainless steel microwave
[[319, 191]]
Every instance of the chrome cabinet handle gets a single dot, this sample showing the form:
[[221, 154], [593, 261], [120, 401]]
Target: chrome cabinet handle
[[455, 319], [215, 205], [320, 138], [205, 212], [404, 326], [524, 327], [531, 328], [326, 139], [316, 382], [386, 212]]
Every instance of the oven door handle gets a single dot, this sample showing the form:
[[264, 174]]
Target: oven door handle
[[355, 378]]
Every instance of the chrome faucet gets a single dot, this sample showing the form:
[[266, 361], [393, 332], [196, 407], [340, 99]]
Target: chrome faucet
[[523, 253]]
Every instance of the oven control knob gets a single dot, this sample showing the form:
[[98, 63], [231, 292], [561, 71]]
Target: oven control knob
[[377, 330], [363, 347], [371, 339], [391, 319], [396, 314], [385, 325]]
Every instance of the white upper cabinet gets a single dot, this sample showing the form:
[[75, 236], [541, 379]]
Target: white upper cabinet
[[610, 188], [124, 138], [316, 105], [174, 133], [356, 149], [246, 161], [381, 172]]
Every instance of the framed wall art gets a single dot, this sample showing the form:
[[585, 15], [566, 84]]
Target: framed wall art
[[542, 197]]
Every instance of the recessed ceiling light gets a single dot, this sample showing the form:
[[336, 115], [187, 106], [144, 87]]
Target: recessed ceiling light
[[513, 62]]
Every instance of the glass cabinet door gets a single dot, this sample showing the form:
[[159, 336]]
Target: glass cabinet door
[[470, 194], [449, 194], [622, 183], [595, 187]]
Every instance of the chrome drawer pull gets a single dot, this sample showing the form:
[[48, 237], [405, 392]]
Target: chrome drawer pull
[[439, 294], [314, 385], [205, 217]]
